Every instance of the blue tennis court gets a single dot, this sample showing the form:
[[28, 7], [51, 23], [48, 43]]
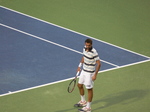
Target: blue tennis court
[[35, 52]]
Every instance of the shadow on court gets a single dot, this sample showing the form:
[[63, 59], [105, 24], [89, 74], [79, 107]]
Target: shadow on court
[[123, 98]]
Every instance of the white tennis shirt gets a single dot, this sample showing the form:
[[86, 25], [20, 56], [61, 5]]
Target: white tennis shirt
[[90, 59]]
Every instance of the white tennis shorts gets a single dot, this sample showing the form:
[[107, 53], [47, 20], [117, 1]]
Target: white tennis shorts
[[86, 79]]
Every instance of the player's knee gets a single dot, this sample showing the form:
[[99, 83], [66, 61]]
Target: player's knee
[[80, 86]]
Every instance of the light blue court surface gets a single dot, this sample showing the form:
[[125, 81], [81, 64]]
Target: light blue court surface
[[34, 52]]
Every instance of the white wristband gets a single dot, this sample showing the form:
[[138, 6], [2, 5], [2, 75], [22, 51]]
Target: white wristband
[[80, 64]]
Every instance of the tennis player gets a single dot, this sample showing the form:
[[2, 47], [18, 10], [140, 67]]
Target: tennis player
[[91, 65]]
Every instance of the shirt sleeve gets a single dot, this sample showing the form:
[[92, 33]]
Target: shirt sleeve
[[96, 56]]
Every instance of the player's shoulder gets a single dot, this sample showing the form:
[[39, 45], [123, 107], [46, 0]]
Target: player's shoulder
[[93, 50]]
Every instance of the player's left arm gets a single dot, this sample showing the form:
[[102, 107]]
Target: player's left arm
[[98, 65]]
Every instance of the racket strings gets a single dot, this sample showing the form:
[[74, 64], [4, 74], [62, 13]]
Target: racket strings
[[71, 86]]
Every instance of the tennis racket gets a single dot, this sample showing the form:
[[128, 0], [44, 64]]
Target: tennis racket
[[72, 84]]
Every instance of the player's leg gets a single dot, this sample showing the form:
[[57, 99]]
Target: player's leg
[[81, 89], [80, 83], [90, 97], [89, 86], [87, 108], [82, 102]]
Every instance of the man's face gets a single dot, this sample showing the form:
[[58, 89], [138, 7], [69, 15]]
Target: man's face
[[88, 46]]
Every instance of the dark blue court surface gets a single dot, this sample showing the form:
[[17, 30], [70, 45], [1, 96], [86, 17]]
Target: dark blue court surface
[[27, 61]]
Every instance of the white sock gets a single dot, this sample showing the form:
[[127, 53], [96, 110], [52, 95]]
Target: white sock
[[83, 98], [88, 104]]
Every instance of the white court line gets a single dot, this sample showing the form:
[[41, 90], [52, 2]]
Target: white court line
[[51, 42], [74, 32], [68, 79]]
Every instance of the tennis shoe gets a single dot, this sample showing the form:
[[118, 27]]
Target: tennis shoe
[[81, 104], [85, 109]]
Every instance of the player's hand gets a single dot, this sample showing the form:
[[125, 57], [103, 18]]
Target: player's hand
[[94, 77]]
